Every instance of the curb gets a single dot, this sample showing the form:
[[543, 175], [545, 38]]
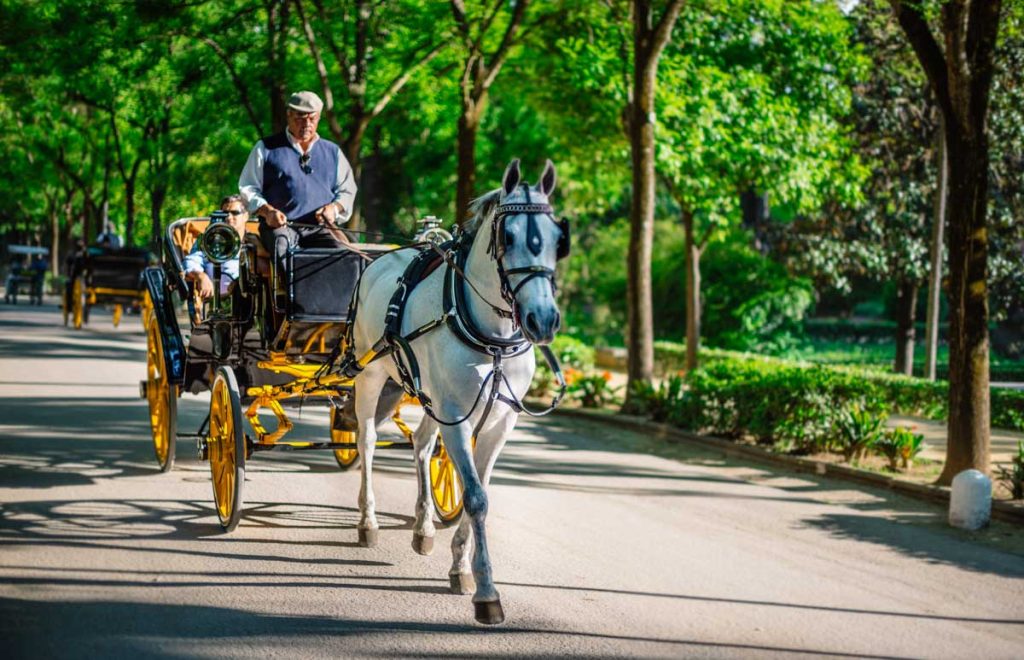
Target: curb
[[926, 492]]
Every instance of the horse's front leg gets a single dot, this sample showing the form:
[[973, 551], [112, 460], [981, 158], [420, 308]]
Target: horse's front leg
[[368, 388], [488, 604], [424, 440]]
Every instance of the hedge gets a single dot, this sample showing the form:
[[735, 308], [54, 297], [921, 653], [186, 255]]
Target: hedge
[[764, 386]]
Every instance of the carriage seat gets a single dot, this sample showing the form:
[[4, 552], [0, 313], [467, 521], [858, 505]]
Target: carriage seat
[[186, 235]]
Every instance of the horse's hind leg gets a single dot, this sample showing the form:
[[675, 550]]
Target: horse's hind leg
[[424, 440], [368, 388]]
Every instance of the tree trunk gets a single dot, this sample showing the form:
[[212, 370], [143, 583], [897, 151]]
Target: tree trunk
[[129, 209], [693, 252], [156, 204], [277, 46], [54, 211], [961, 73], [66, 243], [968, 445], [649, 39], [641, 240], [906, 315], [469, 122], [935, 276], [353, 151]]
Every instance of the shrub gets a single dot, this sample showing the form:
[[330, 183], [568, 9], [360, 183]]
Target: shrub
[[1012, 476], [592, 389], [859, 430], [572, 354], [901, 446]]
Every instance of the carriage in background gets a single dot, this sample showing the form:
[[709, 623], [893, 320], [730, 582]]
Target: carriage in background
[[101, 275], [266, 343]]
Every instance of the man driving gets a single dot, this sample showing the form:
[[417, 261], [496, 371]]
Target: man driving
[[300, 185]]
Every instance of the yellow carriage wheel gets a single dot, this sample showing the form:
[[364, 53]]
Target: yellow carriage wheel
[[161, 396], [346, 458], [226, 446], [118, 310], [445, 485], [78, 294]]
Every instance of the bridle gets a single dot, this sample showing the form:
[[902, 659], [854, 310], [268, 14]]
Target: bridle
[[500, 241]]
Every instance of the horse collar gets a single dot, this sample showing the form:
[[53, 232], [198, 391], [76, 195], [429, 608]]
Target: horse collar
[[461, 323]]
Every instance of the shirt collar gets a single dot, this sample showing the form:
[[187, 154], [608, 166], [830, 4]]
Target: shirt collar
[[295, 143]]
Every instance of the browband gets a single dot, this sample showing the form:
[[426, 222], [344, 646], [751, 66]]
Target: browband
[[516, 209]]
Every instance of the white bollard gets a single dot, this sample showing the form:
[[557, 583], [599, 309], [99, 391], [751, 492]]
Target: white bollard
[[970, 503]]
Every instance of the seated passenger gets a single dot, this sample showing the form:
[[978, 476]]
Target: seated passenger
[[198, 268]]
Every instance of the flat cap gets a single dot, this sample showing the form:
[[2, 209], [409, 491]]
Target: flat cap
[[305, 102]]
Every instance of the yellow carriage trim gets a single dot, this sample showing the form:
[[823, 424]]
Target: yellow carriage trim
[[107, 291], [266, 397], [318, 334]]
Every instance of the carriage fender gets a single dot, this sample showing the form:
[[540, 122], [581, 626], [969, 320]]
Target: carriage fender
[[170, 335]]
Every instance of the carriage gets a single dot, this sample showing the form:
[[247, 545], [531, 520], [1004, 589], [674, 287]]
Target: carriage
[[103, 275], [268, 341]]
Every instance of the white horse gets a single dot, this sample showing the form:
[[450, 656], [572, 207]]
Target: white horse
[[507, 254]]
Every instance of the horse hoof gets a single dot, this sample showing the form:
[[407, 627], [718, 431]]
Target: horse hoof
[[462, 583], [368, 538], [489, 613], [423, 545]]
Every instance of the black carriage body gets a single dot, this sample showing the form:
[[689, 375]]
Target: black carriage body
[[252, 323], [114, 276]]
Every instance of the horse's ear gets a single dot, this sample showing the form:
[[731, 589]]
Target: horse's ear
[[511, 178], [548, 178]]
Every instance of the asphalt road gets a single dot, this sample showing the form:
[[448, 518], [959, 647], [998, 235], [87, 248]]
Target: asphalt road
[[604, 543]]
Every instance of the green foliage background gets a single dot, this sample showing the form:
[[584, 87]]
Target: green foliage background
[[149, 108]]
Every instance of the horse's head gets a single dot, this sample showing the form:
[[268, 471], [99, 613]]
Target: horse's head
[[527, 242]]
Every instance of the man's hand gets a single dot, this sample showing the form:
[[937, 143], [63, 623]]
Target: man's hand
[[328, 214], [272, 216], [203, 283]]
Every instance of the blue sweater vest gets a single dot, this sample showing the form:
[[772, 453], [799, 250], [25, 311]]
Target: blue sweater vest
[[295, 191]]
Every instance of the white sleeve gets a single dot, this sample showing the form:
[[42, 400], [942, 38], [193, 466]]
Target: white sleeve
[[344, 187], [195, 261], [250, 183]]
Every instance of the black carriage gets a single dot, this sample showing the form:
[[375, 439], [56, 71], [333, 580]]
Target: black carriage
[[101, 275], [264, 341]]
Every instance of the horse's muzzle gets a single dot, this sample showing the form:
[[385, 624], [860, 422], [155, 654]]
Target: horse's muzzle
[[540, 328]]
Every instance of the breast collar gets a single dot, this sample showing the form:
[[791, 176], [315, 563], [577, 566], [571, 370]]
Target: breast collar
[[457, 311]]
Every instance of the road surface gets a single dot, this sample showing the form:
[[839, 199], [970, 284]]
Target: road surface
[[604, 543]]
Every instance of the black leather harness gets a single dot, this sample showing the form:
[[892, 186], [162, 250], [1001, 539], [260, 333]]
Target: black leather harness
[[454, 256]]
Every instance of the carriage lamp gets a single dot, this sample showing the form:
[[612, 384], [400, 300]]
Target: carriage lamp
[[220, 242]]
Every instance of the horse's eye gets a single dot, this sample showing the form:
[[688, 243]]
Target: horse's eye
[[510, 238]]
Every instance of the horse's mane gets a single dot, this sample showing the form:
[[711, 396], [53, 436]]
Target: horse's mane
[[481, 210]]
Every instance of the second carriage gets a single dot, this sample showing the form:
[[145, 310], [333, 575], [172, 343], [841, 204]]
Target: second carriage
[[104, 275], [266, 342]]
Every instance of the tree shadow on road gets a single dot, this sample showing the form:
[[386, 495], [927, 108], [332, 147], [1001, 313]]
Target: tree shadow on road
[[114, 628], [873, 515], [932, 542], [105, 520]]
